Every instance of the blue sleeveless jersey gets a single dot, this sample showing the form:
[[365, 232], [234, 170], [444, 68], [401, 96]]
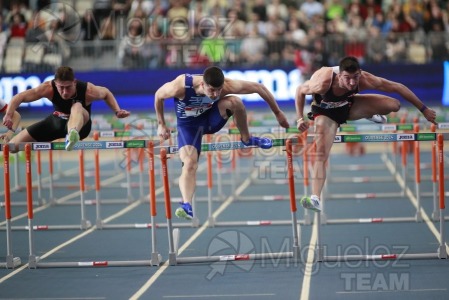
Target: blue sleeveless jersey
[[192, 105]]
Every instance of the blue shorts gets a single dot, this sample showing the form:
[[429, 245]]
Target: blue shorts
[[191, 130]]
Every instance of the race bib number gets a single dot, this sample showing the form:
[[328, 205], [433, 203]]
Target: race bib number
[[196, 111]]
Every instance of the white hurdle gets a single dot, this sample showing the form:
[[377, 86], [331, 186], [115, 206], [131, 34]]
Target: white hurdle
[[174, 234], [35, 262], [441, 252]]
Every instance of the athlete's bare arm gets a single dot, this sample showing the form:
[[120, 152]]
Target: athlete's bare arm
[[249, 87], [95, 93], [369, 81], [319, 83], [43, 90], [172, 89]]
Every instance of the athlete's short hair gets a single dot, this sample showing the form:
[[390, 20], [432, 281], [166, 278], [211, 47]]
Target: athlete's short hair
[[349, 64], [65, 74], [213, 76]]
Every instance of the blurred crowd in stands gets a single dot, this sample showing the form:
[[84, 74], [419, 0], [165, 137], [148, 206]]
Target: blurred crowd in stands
[[143, 34]]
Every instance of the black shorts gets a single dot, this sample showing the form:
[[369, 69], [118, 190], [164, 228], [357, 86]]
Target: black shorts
[[339, 114], [52, 128]]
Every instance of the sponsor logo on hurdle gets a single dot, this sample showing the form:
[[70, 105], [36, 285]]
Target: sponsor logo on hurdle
[[388, 127], [109, 134], [405, 137], [88, 145], [379, 138], [338, 139], [426, 137], [41, 146], [115, 145], [443, 125], [172, 150], [135, 144]]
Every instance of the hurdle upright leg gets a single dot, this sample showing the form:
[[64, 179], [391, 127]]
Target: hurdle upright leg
[[11, 261]]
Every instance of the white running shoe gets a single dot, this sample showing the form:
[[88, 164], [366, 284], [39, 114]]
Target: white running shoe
[[71, 139], [312, 203], [380, 119]]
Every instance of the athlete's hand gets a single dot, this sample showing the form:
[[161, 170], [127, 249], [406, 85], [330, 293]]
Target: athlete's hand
[[163, 132], [282, 119], [430, 115], [6, 137], [302, 125], [122, 113], [7, 121]]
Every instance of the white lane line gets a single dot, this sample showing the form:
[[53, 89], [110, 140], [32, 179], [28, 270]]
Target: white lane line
[[308, 268], [192, 238]]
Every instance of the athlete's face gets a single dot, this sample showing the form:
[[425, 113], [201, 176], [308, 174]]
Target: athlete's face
[[348, 80], [67, 89], [212, 92]]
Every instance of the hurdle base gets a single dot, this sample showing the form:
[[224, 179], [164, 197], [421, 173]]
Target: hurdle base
[[156, 259], [442, 254], [172, 261], [32, 261], [85, 224], [211, 221], [11, 262]]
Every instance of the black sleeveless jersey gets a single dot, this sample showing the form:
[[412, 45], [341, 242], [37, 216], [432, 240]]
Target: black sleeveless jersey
[[64, 106]]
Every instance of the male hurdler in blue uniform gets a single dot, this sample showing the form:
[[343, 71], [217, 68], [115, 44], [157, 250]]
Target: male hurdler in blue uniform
[[203, 106]]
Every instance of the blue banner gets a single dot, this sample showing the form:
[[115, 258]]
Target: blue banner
[[135, 89]]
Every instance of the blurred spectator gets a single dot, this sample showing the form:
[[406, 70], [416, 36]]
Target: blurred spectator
[[129, 51], [240, 7], [312, 8], [18, 25], [380, 22], [416, 51], [108, 32], [438, 44], [36, 30], [276, 30], [3, 42], [356, 8], [89, 28], [233, 33], [151, 50], [260, 8], [276, 7], [89, 32], [335, 9], [213, 44], [255, 22], [56, 43], [434, 16], [177, 10], [145, 6], [375, 46], [253, 48], [372, 8], [414, 9], [395, 48], [296, 34], [102, 9]]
